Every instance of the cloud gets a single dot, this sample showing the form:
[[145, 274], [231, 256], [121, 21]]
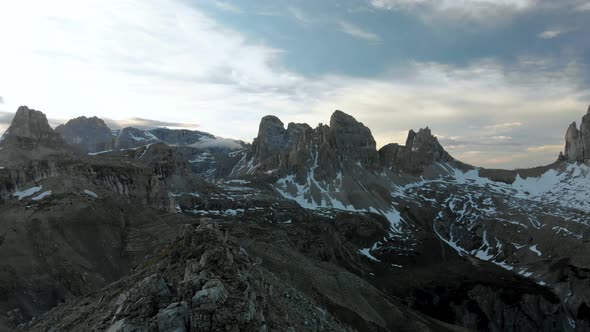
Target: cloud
[[358, 32], [300, 15], [499, 110], [6, 118], [546, 148], [159, 59], [1, 100], [502, 127], [141, 123], [228, 7], [552, 33], [479, 9], [306, 19]]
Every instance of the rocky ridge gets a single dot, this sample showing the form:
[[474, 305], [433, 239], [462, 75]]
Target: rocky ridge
[[201, 282]]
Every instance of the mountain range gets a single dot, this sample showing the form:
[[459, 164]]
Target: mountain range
[[304, 229]]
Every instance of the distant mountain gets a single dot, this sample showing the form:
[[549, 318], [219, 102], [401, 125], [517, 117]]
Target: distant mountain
[[305, 229], [29, 129], [87, 134]]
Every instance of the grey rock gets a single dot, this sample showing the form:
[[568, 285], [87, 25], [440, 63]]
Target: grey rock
[[154, 285], [174, 318], [212, 295], [124, 326]]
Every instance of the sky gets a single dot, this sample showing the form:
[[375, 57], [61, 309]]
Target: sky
[[498, 81]]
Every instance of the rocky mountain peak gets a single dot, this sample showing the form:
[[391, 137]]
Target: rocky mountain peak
[[352, 138], [94, 122], [271, 137], [30, 128], [577, 141], [421, 149], [87, 134]]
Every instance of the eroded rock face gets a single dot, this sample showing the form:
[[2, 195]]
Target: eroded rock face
[[585, 131], [30, 128], [272, 137], [352, 139], [421, 149], [574, 148], [577, 142], [87, 134]]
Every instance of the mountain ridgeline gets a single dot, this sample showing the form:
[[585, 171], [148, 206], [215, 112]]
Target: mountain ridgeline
[[305, 229]]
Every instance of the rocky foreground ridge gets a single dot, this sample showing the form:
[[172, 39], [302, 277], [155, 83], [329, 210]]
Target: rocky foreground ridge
[[305, 229]]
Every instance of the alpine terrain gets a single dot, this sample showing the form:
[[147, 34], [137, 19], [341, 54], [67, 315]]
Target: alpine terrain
[[304, 229]]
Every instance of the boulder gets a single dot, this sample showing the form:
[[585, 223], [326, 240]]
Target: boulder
[[174, 318]]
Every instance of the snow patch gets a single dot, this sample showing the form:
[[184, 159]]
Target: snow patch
[[99, 152], [42, 195], [535, 250], [367, 253], [90, 193], [27, 193]]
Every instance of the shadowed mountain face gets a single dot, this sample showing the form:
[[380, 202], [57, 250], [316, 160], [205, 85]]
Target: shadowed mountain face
[[29, 129], [577, 142], [305, 229], [87, 134]]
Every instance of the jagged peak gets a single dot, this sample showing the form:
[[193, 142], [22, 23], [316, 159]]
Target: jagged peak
[[572, 126], [30, 128], [577, 141], [271, 119], [83, 120], [339, 116], [28, 122]]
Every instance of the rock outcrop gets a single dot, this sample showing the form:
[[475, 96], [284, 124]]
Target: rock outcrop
[[577, 142], [421, 149], [30, 129], [87, 134]]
